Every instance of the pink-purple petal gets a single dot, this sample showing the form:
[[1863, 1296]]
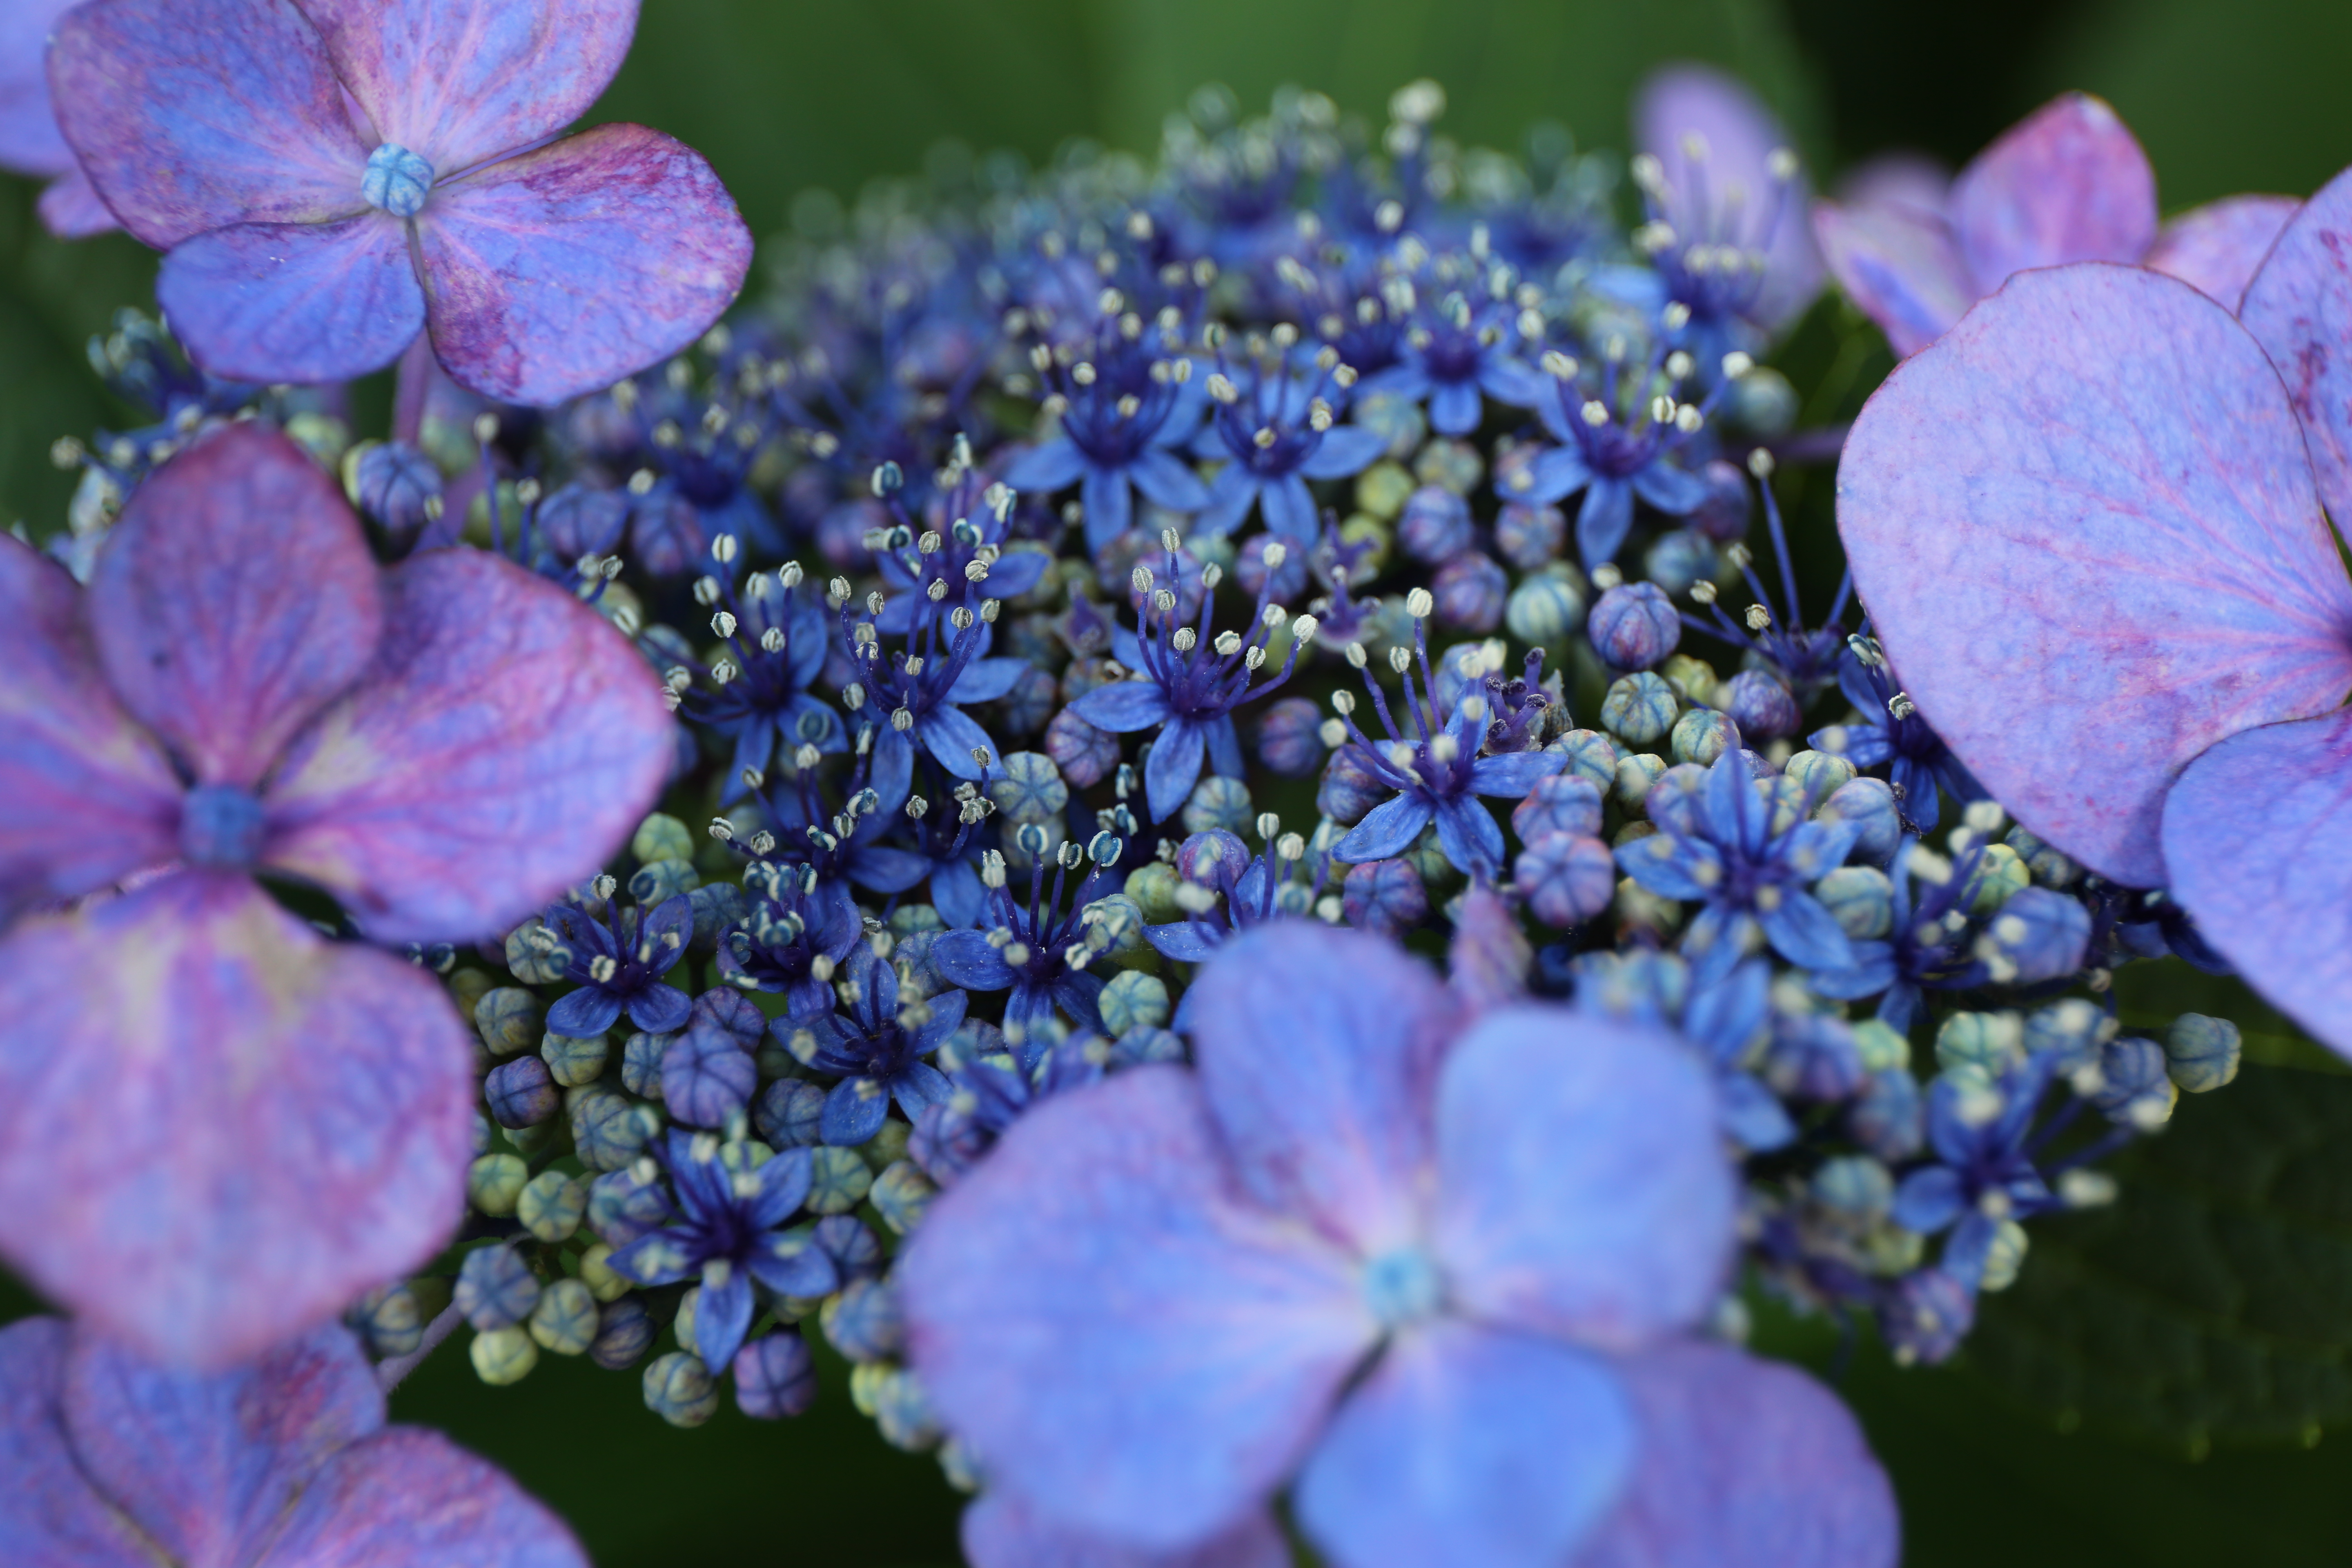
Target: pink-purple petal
[[1898, 179], [565, 269], [458, 81], [1471, 1445], [1745, 1463], [29, 141], [2085, 531], [217, 1129], [234, 599], [1899, 267], [1741, 136], [1000, 1531], [71, 208], [407, 1498], [1583, 1186], [192, 115], [2299, 308], [206, 1465], [294, 303], [2216, 249], [505, 742], [89, 796], [49, 1516], [2068, 183], [2258, 841], [1319, 1052], [1114, 1329]]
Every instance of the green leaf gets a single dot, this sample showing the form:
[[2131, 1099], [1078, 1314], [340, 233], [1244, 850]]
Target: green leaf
[[2213, 1301]]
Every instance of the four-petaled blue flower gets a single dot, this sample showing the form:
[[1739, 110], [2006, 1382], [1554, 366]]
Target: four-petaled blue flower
[[874, 1049], [1034, 950], [1126, 404], [1272, 426], [618, 963], [1463, 329]]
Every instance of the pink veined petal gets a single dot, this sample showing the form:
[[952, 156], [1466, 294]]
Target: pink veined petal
[[217, 1129], [1471, 1445], [2085, 531], [205, 1464], [2216, 249], [1101, 1316], [89, 796], [505, 742], [50, 1515], [1899, 267], [2299, 308], [1318, 1053], [1910, 180], [2068, 183], [193, 114], [457, 81], [562, 270], [300, 302], [234, 599], [70, 208], [1741, 135], [29, 141], [407, 1498], [1745, 1463], [2258, 841], [1582, 1187], [1000, 1531]]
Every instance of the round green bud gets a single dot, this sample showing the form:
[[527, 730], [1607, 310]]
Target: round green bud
[[1382, 490], [910, 920], [1219, 802], [2050, 869], [900, 1194], [2201, 1053], [1859, 898], [839, 1181], [1819, 774], [902, 1411], [466, 989], [1639, 709], [1881, 1048], [2004, 1258], [494, 1183], [1133, 1000], [596, 1273], [389, 1321], [886, 1147], [531, 953], [1114, 926], [573, 1062], [1636, 772], [509, 1017], [1986, 1043], [551, 1206], [1591, 756], [1999, 874], [565, 1319], [658, 881], [1028, 788], [503, 1356], [661, 837], [1702, 735], [1428, 858], [1855, 1185], [1544, 609], [1693, 679], [688, 1305], [681, 1390], [1153, 886]]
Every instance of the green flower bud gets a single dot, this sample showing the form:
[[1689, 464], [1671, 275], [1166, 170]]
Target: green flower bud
[[565, 1320], [1988, 1043], [573, 1062], [2050, 869], [1133, 1000], [839, 1181], [900, 1195], [504, 1356], [1860, 899], [1639, 709], [681, 1390], [1382, 490], [884, 1148], [1694, 679], [1819, 773], [1153, 886], [2201, 1053], [551, 1206], [1999, 874], [494, 1183], [508, 1018], [532, 953], [1702, 735], [660, 837], [2004, 1258], [1591, 756], [466, 989], [596, 1273], [1882, 1049], [658, 881], [1636, 772]]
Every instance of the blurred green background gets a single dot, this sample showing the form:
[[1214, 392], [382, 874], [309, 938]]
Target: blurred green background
[[784, 95]]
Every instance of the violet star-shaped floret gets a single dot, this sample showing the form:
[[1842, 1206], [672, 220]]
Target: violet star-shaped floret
[[915, 696], [333, 177], [1463, 331], [1036, 950], [619, 964], [1437, 774], [1272, 426], [1187, 682], [2068, 183], [109, 1461], [29, 141], [922, 569], [724, 1231], [791, 938], [1438, 1279], [2088, 525], [1618, 430], [777, 636], [874, 1049], [1723, 850], [1726, 201], [216, 1128], [1887, 731]]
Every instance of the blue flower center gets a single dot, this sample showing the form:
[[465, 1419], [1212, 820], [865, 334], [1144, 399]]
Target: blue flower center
[[221, 826], [397, 179], [1401, 1287]]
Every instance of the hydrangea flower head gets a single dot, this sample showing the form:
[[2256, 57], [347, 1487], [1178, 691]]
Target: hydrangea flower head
[[2044, 519], [333, 177], [215, 1127], [108, 1461], [29, 141], [2069, 182], [1441, 1278]]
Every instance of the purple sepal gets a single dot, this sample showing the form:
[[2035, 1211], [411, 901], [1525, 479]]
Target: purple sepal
[[29, 141], [294, 302], [504, 744], [89, 796], [2258, 841], [1741, 136], [216, 1128], [2068, 183], [2042, 521], [2216, 249], [1099, 1246], [1000, 1531], [70, 208], [1746, 1464], [407, 1496], [1469, 1445], [1318, 1050], [465, 81], [1900, 266], [2299, 308], [1559, 1214], [234, 599], [50, 1517], [191, 115], [562, 270]]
